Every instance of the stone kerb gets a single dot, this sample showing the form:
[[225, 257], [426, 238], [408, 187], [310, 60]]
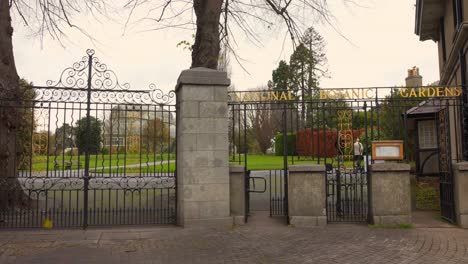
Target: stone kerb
[[237, 193], [390, 193], [202, 148], [461, 193], [306, 195]]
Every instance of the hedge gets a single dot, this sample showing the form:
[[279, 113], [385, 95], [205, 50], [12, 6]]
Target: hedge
[[322, 143], [291, 144], [362, 139]]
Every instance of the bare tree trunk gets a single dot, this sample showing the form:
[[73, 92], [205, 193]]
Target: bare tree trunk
[[206, 48], [10, 190]]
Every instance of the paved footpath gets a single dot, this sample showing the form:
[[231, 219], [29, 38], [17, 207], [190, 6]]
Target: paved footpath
[[253, 243]]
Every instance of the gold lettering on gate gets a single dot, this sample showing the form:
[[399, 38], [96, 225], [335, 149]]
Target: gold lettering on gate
[[262, 96], [346, 94], [368, 93], [273, 96]]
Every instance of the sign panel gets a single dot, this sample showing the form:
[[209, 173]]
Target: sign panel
[[405, 92], [387, 150], [345, 93]]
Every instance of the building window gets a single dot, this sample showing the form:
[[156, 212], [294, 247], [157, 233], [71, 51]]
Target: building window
[[117, 141], [427, 134]]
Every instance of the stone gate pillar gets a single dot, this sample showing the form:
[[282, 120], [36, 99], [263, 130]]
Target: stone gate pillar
[[202, 148], [237, 193], [460, 177], [307, 195], [390, 193]]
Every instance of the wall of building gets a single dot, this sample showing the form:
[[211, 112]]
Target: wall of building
[[465, 11], [455, 75]]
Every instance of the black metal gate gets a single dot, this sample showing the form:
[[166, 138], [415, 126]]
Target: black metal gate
[[323, 126], [447, 203], [245, 116], [92, 152], [347, 195], [346, 177], [277, 180]]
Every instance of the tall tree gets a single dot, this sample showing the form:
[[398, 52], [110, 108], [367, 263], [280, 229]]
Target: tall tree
[[318, 62], [391, 112], [308, 64], [47, 17], [206, 46], [93, 139], [64, 137], [9, 94], [300, 63], [281, 77], [216, 20]]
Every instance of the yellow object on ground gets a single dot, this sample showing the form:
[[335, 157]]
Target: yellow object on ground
[[47, 224]]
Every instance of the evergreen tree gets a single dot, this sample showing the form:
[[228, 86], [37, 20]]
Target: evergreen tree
[[93, 140]]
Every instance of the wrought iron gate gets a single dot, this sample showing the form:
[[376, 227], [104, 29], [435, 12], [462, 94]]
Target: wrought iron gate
[[92, 152], [242, 115], [277, 180], [347, 195], [447, 203], [347, 179]]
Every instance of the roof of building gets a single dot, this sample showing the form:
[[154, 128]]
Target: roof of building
[[430, 106], [428, 14]]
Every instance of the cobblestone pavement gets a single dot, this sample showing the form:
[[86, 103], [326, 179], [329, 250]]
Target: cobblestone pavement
[[253, 243]]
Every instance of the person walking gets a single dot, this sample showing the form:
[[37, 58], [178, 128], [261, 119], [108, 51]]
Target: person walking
[[358, 151]]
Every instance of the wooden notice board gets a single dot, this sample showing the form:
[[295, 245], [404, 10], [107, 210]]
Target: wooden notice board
[[387, 150]]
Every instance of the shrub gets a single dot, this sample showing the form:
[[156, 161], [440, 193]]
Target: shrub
[[105, 150], [122, 150], [290, 141], [367, 145]]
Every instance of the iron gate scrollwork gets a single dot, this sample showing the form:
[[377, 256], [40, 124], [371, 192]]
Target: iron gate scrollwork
[[447, 203], [93, 152], [346, 182]]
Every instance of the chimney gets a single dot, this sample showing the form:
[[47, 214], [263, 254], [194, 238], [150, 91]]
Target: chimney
[[413, 79]]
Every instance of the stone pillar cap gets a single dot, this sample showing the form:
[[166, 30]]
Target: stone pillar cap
[[202, 76], [462, 166], [236, 168]]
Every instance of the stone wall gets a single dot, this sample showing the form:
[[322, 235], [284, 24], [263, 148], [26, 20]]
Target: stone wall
[[390, 193]]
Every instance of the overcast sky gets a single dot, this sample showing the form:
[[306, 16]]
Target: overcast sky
[[381, 47]]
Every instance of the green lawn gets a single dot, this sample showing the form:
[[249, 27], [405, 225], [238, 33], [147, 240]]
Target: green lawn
[[101, 164], [39, 163], [157, 168], [272, 162], [254, 161]]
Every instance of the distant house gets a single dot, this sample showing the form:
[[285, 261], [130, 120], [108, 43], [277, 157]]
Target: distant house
[[422, 119], [135, 127]]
